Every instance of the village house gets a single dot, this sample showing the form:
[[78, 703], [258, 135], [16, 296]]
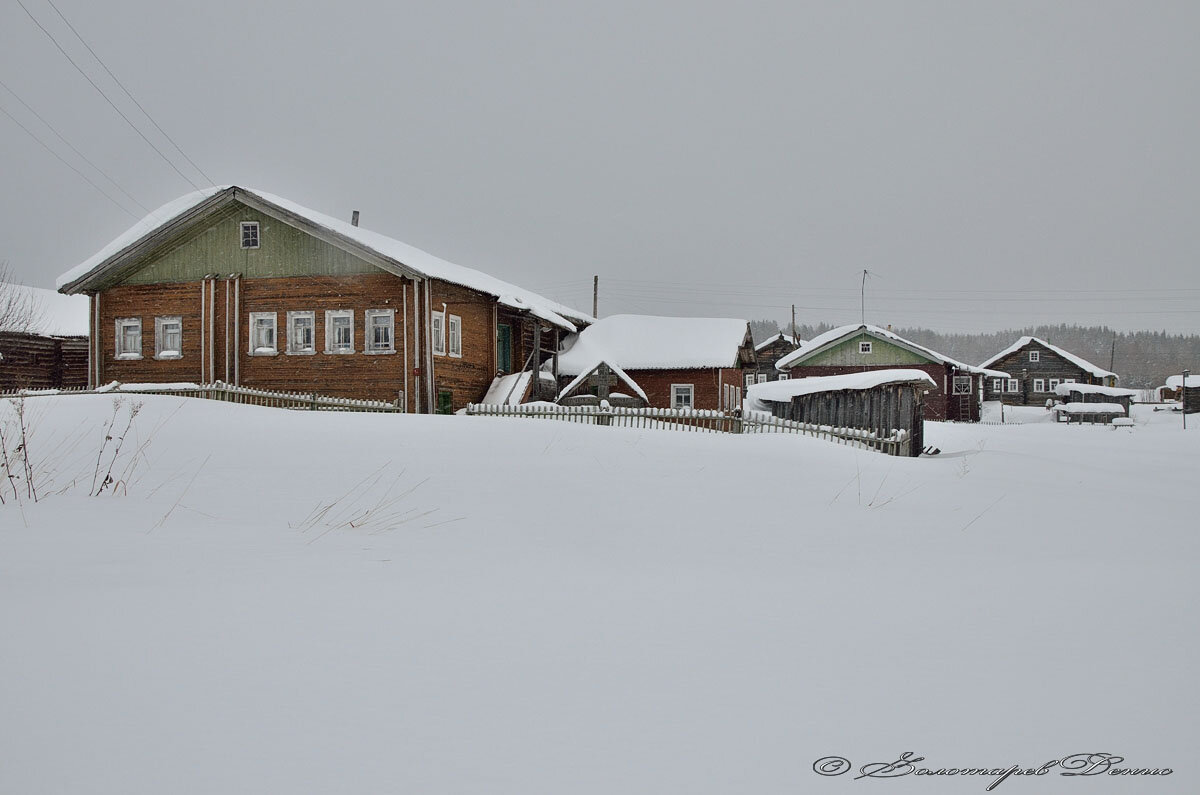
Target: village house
[[958, 387], [768, 352], [1035, 369], [672, 362], [48, 347], [236, 285]]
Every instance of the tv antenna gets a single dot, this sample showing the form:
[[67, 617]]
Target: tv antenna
[[862, 300]]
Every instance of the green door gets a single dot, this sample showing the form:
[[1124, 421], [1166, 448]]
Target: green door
[[504, 347], [445, 402]]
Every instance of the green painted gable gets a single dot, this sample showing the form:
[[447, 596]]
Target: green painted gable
[[215, 246], [845, 353]]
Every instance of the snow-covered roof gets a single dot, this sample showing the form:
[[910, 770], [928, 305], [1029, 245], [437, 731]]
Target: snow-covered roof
[[758, 395], [788, 338], [1078, 361], [1090, 408], [647, 342], [405, 255], [51, 313], [617, 371], [833, 336], [1093, 389], [1176, 381], [508, 390]]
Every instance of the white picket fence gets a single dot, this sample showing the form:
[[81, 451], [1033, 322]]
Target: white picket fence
[[696, 421], [309, 401]]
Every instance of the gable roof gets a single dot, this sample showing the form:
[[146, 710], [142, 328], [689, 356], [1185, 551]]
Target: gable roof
[[1176, 381], [380, 250], [829, 339], [788, 338], [648, 342], [1078, 361]]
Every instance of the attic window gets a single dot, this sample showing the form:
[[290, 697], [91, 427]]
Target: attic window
[[249, 234], [1035, 356], [864, 347]]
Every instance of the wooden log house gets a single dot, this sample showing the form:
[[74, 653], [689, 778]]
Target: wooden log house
[[50, 351], [675, 362], [862, 348], [236, 285], [1035, 369], [767, 353]]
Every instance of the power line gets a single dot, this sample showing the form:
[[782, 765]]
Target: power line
[[68, 165], [117, 80], [86, 77], [72, 147]]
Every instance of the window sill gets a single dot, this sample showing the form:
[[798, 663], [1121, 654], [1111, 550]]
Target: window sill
[[264, 353], [163, 356], [339, 353], [456, 356], [301, 353], [125, 357], [379, 353]]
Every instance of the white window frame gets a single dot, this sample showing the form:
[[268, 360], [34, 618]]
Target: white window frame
[[762, 378], [678, 390], [1012, 387], [783, 377], [330, 316], [251, 226], [1035, 356], [454, 336], [160, 349], [749, 379], [369, 345], [998, 386], [292, 348], [437, 329], [1039, 385], [256, 350], [864, 347], [959, 382], [119, 349]]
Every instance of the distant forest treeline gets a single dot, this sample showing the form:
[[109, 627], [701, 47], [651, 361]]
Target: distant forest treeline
[[1143, 359]]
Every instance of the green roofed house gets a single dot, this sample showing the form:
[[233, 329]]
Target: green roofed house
[[958, 391], [236, 285]]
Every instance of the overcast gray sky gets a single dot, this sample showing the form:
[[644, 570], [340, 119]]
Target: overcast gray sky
[[995, 164]]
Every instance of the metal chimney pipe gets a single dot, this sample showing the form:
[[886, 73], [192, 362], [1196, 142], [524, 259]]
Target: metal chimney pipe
[[354, 218]]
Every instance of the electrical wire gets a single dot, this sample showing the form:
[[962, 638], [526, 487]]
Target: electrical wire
[[132, 99], [87, 77]]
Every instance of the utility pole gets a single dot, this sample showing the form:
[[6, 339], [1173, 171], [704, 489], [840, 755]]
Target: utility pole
[[1183, 398], [1112, 357], [596, 295], [793, 324]]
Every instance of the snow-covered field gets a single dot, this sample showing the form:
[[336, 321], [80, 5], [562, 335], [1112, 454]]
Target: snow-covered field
[[532, 607]]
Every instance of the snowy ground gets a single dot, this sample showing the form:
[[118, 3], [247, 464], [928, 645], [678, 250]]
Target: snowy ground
[[534, 607]]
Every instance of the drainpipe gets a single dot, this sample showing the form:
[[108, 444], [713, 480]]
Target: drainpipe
[[237, 325], [203, 286], [404, 330]]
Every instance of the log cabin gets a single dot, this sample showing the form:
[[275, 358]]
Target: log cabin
[[47, 347], [768, 352], [861, 348], [237, 285], [674, 362], [1035, 369]]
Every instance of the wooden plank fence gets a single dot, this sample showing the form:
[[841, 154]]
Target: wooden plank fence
[[306, 401], [699, 421]]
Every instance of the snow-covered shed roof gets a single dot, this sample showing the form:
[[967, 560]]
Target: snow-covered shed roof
[[648, 342], [1078, 361], [51, 313], [1176, 381], [834, 336], [788, 338], [758, 395], [1089, 408], [1062, 390], [406, 257]]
